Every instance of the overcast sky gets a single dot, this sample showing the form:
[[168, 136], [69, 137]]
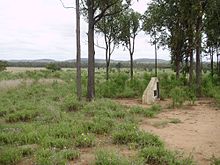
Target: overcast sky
[[43, 29]]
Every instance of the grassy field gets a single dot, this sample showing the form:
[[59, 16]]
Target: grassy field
[[43, 123]]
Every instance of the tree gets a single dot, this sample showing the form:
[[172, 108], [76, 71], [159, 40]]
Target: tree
[[212, 31], [3, 65], [129, 28], [107, 26], [78, 49], [95, 10], [53, 67], [78, 52]]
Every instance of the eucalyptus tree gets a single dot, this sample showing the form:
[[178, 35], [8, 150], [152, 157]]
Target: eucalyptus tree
[[212, 30], [153, 26], [129, 28], [109, 29], [78, 48], [95, 10]]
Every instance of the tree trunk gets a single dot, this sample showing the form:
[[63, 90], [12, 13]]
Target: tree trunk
[[198, 55], [109, 58], [218, 62], [132, 65], [155, 44], [212, 64], [106, 58], [91, 53], [177, 66], [191, 61], [78, 52]]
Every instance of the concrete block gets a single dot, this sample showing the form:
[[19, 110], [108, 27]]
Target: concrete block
[[151, 93]]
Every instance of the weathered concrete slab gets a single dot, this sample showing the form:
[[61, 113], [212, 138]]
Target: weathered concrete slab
[[151, 93]]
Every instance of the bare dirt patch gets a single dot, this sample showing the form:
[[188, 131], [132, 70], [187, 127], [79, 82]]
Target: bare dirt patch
[[194, 130]]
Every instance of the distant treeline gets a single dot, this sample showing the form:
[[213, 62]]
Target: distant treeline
[[85, 65]]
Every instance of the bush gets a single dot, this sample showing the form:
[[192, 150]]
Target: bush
[[3, 65], [53, 67], [178, 96]]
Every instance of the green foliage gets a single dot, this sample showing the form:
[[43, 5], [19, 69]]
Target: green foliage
[[23, 116], [128, 133], [178, 96], [147, 112], [159, 155], [119, 85], [85, 140], [51, 157], [51, 142], [3, 65], [53, 67], [110, 158], [10, 155]]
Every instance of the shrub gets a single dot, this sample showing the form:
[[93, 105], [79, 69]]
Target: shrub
[[3, 65], [53, 67], [178, 96]]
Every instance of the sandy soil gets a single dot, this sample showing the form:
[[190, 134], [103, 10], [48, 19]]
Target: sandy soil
[[195, 131]]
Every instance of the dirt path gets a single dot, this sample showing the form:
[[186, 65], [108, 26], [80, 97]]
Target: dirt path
[[195, 130]]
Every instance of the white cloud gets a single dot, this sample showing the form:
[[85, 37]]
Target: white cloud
[[33, 29]]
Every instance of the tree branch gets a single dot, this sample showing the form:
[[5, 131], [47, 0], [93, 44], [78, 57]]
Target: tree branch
[[66, 7]]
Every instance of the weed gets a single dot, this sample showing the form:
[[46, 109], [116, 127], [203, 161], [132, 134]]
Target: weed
[[23, 116], [128, 133], [55, 142], [85, 140], [110, 158], [70, 154], [147, 112], [175, 121], [161, 124], [178, 96], [159, 155], [10, 155], [215, 161], [102, 125]]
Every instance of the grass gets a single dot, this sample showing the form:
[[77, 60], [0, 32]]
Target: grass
[[47, 124], [104, 157]]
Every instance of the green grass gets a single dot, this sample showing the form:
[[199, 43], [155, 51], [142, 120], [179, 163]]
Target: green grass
[[46, 123], [103, 157]]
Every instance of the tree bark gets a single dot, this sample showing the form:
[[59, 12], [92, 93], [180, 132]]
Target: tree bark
[[91, 53], [177, 66], [198, 55], [132, 65], [78, 52], [212, 63], [191, 61]]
